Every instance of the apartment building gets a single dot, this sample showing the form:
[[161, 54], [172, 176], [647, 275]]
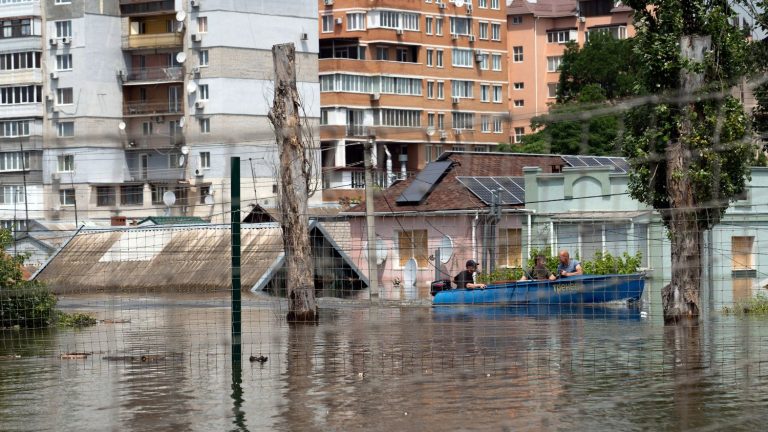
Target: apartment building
[[537, 32], [133, 108], [414, 77]]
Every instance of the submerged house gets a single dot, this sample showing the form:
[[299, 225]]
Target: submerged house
[[190, 258]]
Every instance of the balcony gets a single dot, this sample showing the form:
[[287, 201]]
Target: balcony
[[163, 174], [354, 178], [146, 108], [153, 40], [13, 77], [138, 76], [141, 142], [357, 131], [145, 7]]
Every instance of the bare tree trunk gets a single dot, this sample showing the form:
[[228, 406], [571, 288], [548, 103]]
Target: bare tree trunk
[[294, 180], [680, 298]]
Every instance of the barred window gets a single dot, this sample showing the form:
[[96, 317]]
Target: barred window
[[398, 117]]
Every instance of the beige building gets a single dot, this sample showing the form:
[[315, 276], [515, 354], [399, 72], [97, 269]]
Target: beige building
[[418, 76], [537, 33]]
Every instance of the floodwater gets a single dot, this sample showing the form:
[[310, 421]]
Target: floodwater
[[382, 368]]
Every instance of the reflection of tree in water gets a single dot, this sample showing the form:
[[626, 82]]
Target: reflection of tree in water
[[682, 345]]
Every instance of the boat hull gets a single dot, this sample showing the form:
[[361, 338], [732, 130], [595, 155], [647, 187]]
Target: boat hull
[[571, 290]]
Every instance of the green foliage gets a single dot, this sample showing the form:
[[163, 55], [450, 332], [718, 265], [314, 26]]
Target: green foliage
[[605, 263], [27, 305], [757, 305], [500, 274], [76, 319], [721, 150]]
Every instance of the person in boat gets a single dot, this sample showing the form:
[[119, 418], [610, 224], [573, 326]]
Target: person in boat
[[567, 266], [539, 271], [466, 279]]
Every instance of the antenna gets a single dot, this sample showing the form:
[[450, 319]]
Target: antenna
[[169, 199], [180, 15], [181, 57]]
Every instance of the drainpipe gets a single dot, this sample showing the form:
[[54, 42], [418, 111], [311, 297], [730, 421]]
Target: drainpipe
[[475, 221], [388, 180], [536, 64], [530, 217]]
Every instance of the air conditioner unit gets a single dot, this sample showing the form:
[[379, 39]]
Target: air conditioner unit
[[200, 104], [194, 3], [455, 100], [49, 98], [54, 76], [53, 41], [328, 2], [457, 131], [441, 5], [121, 75], [66, 40], [375, 96], [582, 19], [55, 176], [479, 57], [471, 38], [159, 119], [443, 134], [197, 37], [54, 109], [199, 172], [399, 31], [454, 36], [338, 21], [304, 36], [469, 9], [196, 70]]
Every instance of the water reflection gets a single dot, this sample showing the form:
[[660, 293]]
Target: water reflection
[[387, 368]]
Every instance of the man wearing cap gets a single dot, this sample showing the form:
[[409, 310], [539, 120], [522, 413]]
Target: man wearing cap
[[466, 279]]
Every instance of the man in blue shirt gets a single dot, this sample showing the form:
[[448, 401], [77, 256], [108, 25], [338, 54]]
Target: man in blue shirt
[[568, 266]]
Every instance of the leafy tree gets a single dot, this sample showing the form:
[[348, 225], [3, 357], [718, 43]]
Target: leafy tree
[[690, 153]]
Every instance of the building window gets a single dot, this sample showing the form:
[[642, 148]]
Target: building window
[[482, 4], [61, 2], [67, 197], [517, 20], [485, 93], [431, 119], [14, 128], [496, 32], [323, 116], [441, 121], [741, 249], [202, 24], [430, 57], [462, 57], [461, 26], [355, 21], [519, 103], [497, 94], [65, 129], [496, 62], [20, 60], [616, 31], [438, 26], [203, 89], [202, 58], [157, 194], [131, 195], [551, 90], [428, 25], [519, 132], [401, 54], [482, 32], [64, 96], [462, 89], [517, 54], [498, 126], [204, 192], [66, 163], [495, 4], [457, 148], [518, 85], [19, 225], [20, 95], [399, 117], [430, 89], [147, 128], [439, 58], [63, 29], [64, 62], [205, 125], [205, 160], [485, 123], [561, 36], [382, 53], [510, 247], [14, 161], [11, 194], [105, 196], [400, 85], [483, 61], [327, 23], [463, 120], [440, 90], [413, 244], [553, 63]]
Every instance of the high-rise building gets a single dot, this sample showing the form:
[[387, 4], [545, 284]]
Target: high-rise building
[[538, 31], [108, 107], [414, 77]]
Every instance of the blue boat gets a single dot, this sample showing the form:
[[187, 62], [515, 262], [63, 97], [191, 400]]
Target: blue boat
[[583, 289]]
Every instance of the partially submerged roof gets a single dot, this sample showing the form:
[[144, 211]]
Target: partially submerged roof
[[179, 258], [171, 220]]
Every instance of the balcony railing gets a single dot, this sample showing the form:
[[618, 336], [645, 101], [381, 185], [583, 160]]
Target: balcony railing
[[153, 40], [145, 7], [171, 73], [151, 108], [357, 131], [142, 142], [354, 178]]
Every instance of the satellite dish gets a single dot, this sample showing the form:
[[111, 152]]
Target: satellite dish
[[459, 3], [446, 249], [208, 199], [185, 150], [191, 87], [430, 130], [180, 15], [181, 57], [182, 158], [409, 273], [381, 251], [182, 122], [169, 198], [121, 125]]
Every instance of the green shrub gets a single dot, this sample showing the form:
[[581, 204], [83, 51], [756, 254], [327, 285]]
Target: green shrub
[[76, 319], [605, 263], [757, 305], [27, 305]]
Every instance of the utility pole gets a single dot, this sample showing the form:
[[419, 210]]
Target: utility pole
[[294, 177], [236, 257], [373, 269]]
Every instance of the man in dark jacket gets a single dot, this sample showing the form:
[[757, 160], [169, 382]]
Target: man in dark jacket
[[466, 279]]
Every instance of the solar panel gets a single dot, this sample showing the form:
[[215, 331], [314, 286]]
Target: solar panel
[[618, 164], [621, 164], [424, 182], [590, 161], [574, 161], [510, 189]]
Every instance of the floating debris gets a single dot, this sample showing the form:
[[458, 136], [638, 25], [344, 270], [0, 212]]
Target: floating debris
[[115, 321], [260, 359], [147, 358], [75, 356], [10, 357]]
